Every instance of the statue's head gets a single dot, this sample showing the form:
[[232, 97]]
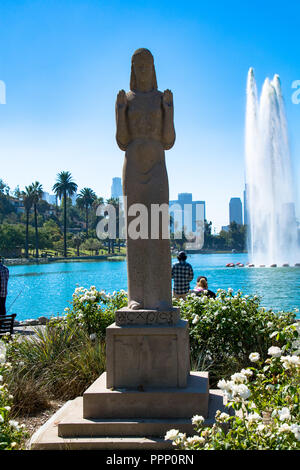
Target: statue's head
[[143, 76]]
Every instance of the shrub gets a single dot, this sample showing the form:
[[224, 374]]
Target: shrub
[[59, 361], [265, 399], [224, 331], [12, 434], [62, 359], [94, 310]]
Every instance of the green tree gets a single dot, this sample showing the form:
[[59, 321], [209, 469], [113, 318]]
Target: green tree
[[85, 201], [63, 188], [27, 198], [11, 239], [92, 245], [237, 236], [208, 237], [77, 240]]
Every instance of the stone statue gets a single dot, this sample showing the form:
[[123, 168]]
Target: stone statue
[[145, 128]]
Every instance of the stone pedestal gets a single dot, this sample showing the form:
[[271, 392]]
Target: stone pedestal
[[140, 356], [147, 390]]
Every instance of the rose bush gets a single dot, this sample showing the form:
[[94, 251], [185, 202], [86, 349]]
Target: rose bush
[[263, 405], [225, 330], [94, 310], [12, 434]]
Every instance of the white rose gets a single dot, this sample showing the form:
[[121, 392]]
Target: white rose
[[284, 428], [274, 351], [223, 417], [196, 319], [241, 391], [171, 435], [13, 423], [295, 429], [195, 439], [225, 385], [254, 357], [289, 361], [197, 420], [261, 427], [252, 417], [284, 414], [239, 378], [247, 372]]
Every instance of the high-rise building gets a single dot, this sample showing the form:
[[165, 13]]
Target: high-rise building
[[235, 211], [188, 212], [116, 188], [73, 198], [50, 198]]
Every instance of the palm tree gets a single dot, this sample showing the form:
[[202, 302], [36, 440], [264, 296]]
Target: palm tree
[[27, 198], [111, 242], [36, 190], [63, 188], [85, 200]]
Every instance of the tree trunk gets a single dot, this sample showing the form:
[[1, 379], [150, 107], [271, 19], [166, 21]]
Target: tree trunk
[[36, 233], [87, 220], [65, 225], [26, 236]]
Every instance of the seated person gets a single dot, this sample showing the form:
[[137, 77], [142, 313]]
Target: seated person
[[202, 288]]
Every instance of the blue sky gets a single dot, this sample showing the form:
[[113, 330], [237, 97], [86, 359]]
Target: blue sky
[[64, 61]]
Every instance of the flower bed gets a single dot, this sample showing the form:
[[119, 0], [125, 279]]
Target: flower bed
[[263, 405], [225, 330], [61, 360]]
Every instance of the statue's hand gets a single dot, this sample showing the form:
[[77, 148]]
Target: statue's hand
[[121, 99], [167, 99]]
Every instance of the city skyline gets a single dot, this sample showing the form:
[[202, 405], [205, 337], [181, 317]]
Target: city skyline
[[182, 199]]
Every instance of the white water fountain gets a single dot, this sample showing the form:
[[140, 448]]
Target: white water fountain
[[269, 183]]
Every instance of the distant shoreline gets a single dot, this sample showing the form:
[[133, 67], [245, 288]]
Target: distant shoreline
[[106, 257], [33, 261]]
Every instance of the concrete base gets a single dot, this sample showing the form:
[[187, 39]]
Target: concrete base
[[68, 430], [172, 402]]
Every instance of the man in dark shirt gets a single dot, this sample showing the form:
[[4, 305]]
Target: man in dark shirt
[[4, 275], [182, 274]]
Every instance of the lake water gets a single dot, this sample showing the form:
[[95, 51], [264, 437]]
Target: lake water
[[46, 289]]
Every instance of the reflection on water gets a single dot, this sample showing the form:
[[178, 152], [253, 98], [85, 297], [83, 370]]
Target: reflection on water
[[43, 273], [47, 289]]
